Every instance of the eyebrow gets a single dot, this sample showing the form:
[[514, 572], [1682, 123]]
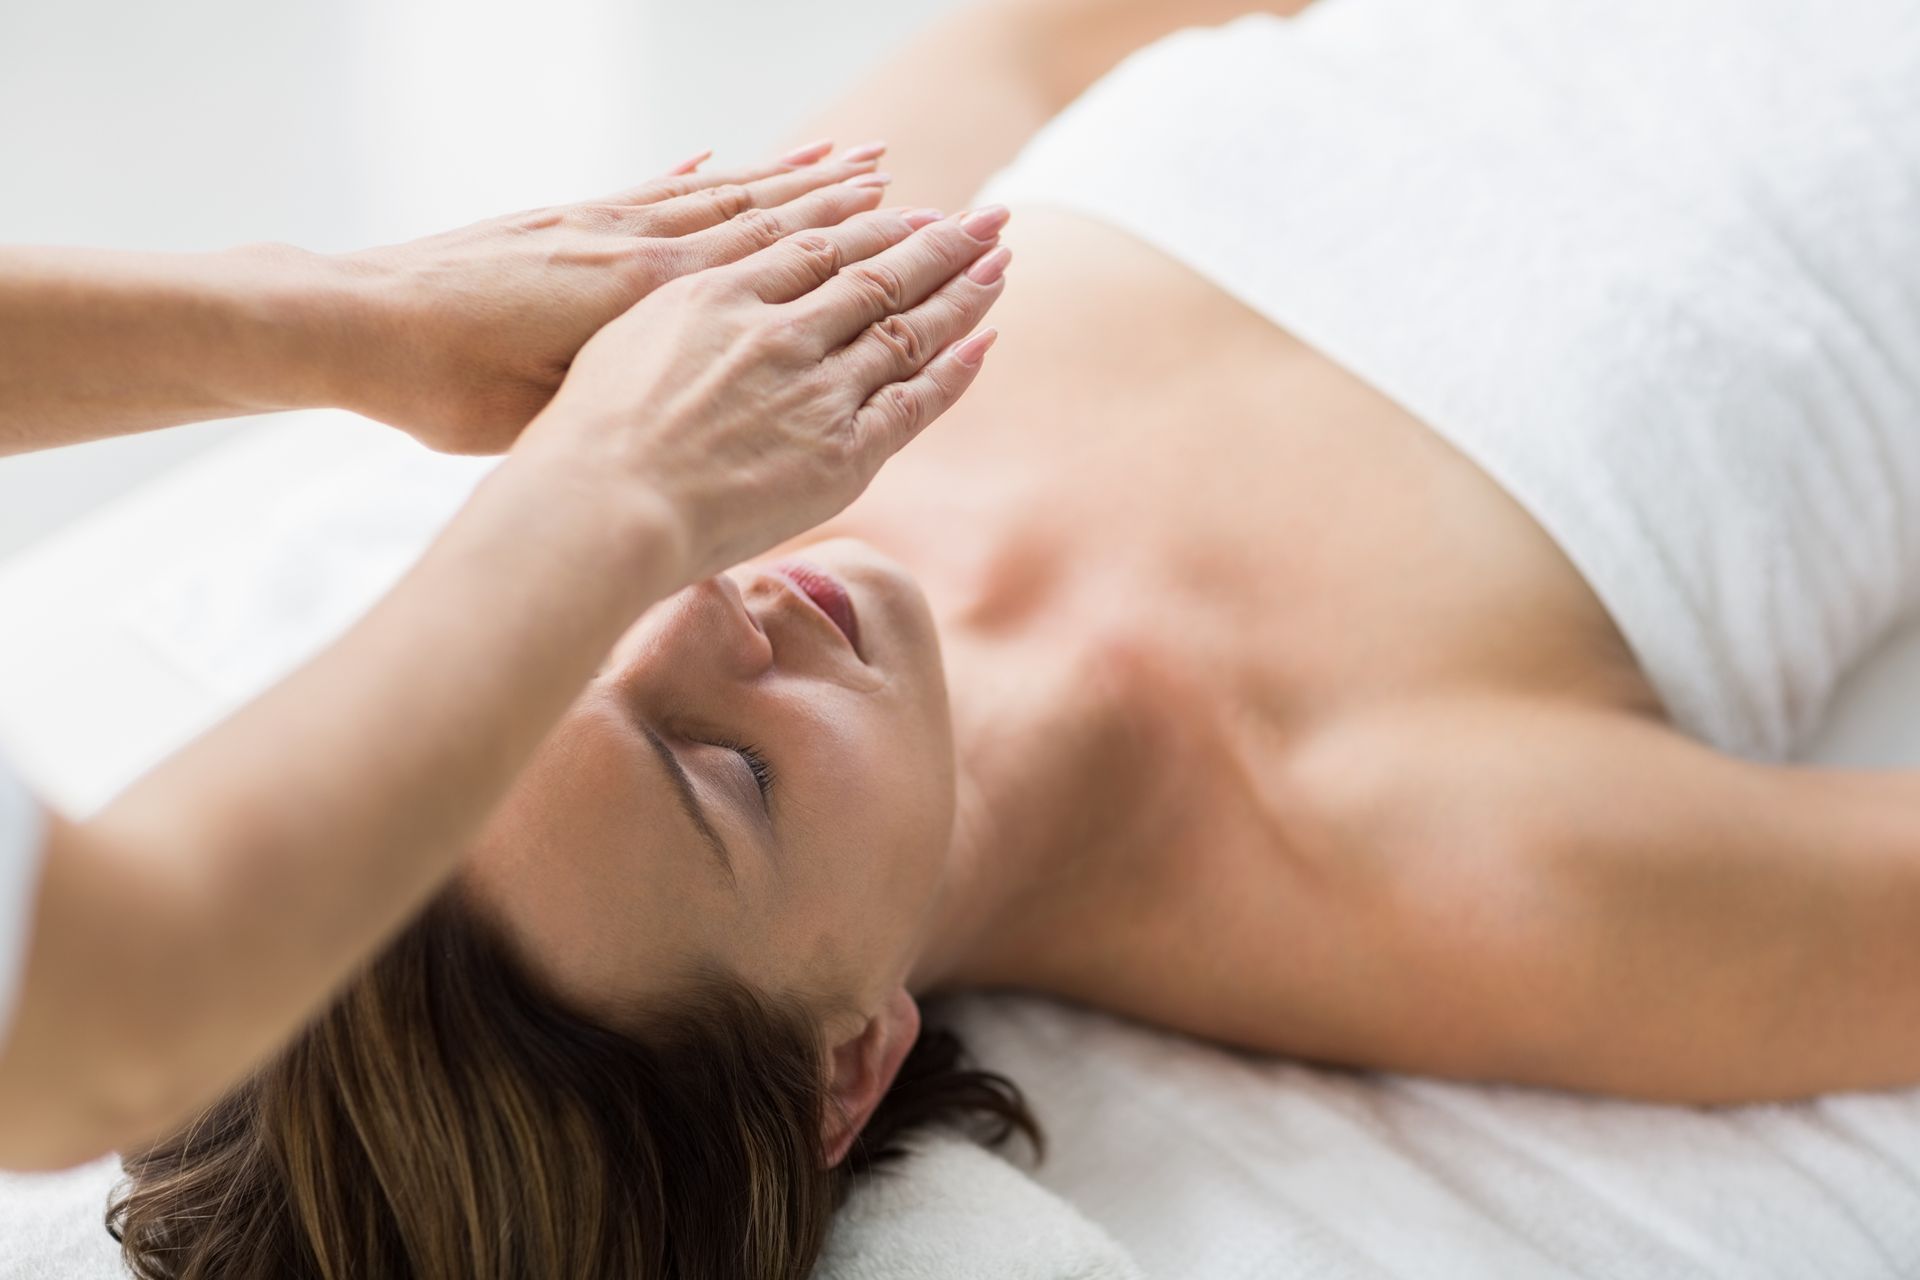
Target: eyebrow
[[689, 799]]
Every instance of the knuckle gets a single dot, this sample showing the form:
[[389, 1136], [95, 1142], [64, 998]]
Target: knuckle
[[845, 439], [837, 443], [705, 288], [780, 336], [595, 217], [817, 250], [818, 388], [899, 406], [651, 264], [670, 188], [758, 227], [949, 244], [881, 284], [729, 200], [899, 336]]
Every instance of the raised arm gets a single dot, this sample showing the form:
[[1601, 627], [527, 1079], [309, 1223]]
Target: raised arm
[[960, 101], [194, 925], [1585, 899], [458, 339]]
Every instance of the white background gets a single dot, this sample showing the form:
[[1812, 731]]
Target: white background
[[196, 124]]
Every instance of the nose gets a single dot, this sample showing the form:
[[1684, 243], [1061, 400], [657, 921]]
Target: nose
[[714, 626]]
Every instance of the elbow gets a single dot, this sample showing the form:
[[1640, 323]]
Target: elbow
[[63, 1127], [104, 1084], [23, 1154], [149, 1090]]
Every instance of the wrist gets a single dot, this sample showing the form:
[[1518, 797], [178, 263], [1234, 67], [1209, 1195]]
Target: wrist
[[296, 323], [606, 516]]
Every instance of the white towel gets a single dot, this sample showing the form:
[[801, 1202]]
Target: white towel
[[955, 1211], [53, 1226], [949, 1211], [1653, 264]]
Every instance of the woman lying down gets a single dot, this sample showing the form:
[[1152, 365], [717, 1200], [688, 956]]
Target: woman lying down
[[1440, 460]]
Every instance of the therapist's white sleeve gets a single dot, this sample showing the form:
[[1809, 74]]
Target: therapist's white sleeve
[[22, 831]]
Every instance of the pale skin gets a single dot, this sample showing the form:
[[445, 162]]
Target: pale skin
[[1271, 719], [687, 373]]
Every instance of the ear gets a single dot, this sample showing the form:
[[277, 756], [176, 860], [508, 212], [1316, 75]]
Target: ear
[[863, 1070]]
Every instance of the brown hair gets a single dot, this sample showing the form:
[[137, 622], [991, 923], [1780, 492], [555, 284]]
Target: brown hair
[[447, 1119]]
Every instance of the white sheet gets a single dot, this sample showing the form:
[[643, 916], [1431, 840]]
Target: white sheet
[[1202, 1163]]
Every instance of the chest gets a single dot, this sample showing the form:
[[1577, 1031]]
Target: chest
[[1145, 455]]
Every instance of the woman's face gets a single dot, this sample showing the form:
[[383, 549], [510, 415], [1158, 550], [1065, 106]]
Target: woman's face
[[638, 844]]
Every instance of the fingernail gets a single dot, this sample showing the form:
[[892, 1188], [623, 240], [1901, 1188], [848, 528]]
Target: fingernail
[[808, 154], [918, 218], [871, 151], [870, 180], [984, 224], [974, 349], [691, 163], [990, 268]]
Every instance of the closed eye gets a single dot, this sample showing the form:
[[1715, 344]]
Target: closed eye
[[758, 765]]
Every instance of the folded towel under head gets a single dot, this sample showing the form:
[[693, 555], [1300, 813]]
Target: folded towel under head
[[954, 1211], [948, 1210]]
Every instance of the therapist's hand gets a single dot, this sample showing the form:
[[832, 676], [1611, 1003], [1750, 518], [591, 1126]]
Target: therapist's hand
[[743, 406], [460, 339]]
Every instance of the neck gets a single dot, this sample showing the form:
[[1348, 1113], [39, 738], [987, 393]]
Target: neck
[[1045, 735]]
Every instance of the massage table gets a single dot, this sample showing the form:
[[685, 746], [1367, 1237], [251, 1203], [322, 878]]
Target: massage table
[[123, 636]]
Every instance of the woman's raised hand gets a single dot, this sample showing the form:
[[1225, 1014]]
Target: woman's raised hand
[[459, 339], [748, 404]]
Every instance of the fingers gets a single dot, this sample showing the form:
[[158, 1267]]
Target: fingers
[[763, 229], [899, 411], [869, 290], [900, 345], [683, 179], [690, 164], [799, 264], [771, 193], [729, 196]]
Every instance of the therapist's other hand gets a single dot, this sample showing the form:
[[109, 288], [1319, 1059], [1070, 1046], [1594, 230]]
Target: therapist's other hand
[[460, 339], [743, 406]]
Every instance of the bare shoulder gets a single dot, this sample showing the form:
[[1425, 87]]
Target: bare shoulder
[[1391, 879], [1304, 902], [1532, 884], [1547, 891], [1375, 892]]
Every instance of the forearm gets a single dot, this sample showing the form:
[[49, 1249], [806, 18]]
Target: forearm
[[459, 339], [211, 909], [96, 343]]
